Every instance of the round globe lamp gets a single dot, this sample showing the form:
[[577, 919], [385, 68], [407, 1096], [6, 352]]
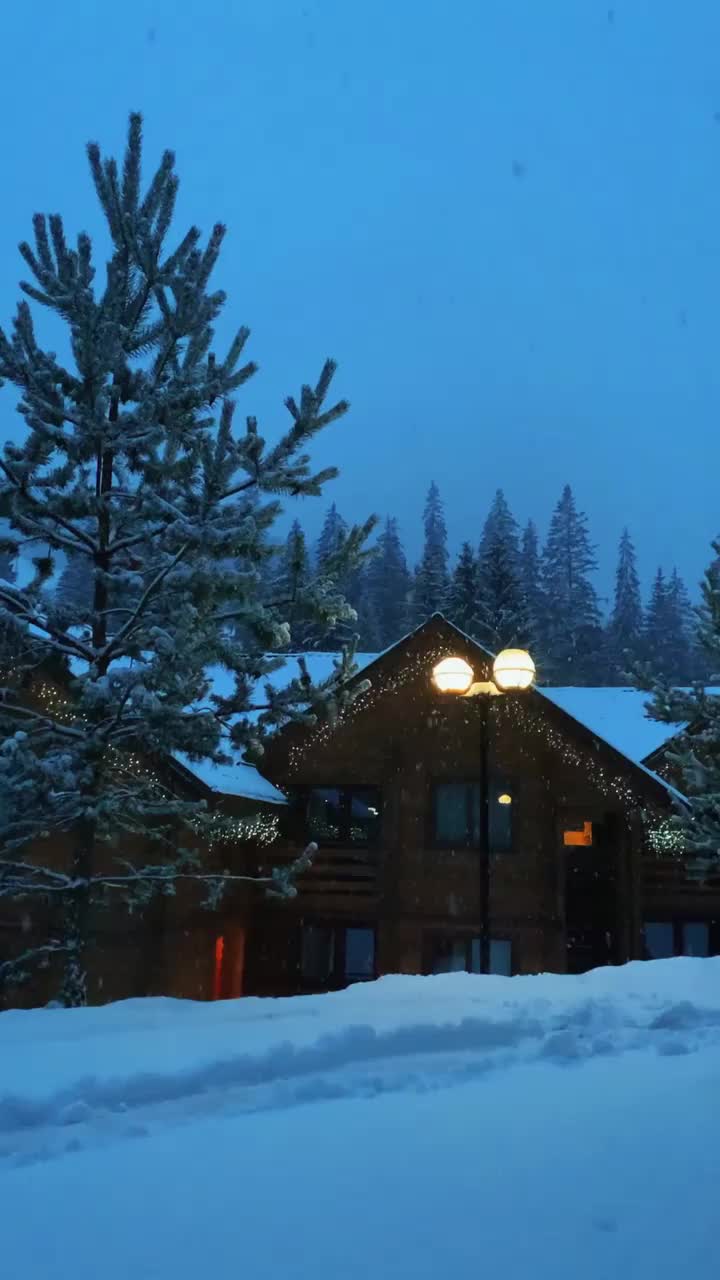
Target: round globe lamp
[[513, 669], [452, 675]]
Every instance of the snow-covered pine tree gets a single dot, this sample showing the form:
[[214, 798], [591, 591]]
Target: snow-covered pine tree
[[328, 558], [75, 586], [290, 585], [683, 627], [670, 649], [502, 613], [389, 583], [463, 595], [626, 625], [656, 625], [7, 574], [360, 596], [696, 754], [530, 577], [130, 446], [572, 639], [430, 588], [332, 537]]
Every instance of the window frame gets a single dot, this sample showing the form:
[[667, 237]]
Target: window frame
[[338, 977], [469, 782], [471, 942], [501, 782], [677, 925], [345, 790], [496, 782]]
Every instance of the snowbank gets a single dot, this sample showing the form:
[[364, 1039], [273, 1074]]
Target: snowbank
[[536, 1127], [140, 1052]]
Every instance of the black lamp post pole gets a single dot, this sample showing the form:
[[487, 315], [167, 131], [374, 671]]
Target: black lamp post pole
[[484, 700]]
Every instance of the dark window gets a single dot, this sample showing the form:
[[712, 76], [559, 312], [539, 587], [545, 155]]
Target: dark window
[[500, 818], [462, 955], [501, 957], [457, 813], [666, 938], [449, 955], [695, 938], [333, 955], [659, 939], [344, 815], [359, 953], [318, 953]]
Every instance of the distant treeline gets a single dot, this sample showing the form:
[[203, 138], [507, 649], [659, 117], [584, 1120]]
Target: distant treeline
[[507, 589]]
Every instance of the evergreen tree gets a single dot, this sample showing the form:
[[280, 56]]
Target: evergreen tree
[[332, 537], [625, 629], [502, 613], [572, 640], [530, 577], [682, 627], [328, 561], [75, 585], [7, 567], [696, 757], [463, 597], [360, 597], [389, 583], [430, 590], [8, 641], [669, 647], [290, 586], [132, 446]]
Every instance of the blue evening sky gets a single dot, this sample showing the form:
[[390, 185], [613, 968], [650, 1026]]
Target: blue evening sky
[[502, 217]]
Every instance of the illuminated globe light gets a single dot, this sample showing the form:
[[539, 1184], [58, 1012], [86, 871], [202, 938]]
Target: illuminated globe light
[[453, 675], [513, 669], [504, 798]]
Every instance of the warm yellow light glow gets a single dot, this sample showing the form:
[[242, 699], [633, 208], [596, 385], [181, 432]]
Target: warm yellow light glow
[[583, 838], [513, 669], [505, 798], [453, 675]]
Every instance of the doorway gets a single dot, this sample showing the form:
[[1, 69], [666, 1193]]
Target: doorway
[[589, 852]]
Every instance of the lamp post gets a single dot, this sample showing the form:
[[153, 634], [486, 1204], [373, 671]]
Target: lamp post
[[513, 672]]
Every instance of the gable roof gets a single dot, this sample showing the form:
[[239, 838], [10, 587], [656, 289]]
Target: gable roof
[[615, 717]]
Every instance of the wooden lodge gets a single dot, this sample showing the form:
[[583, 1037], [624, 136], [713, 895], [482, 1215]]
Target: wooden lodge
[[510, 833]]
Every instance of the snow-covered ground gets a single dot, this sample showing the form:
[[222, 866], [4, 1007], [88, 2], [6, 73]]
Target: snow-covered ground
[[543, 1127]]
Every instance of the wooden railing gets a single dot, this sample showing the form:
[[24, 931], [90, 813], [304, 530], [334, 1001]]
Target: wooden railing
[[350, 873]]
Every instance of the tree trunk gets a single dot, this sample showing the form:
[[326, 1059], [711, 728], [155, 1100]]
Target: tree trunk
[[73, 992]]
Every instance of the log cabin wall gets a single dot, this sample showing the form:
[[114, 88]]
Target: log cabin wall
[[558, 907], [551, 905]]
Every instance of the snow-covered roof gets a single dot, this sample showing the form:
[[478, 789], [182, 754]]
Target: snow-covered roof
[[237, 779], [616, 715]]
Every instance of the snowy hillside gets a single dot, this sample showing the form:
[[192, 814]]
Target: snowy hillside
[[546, 1127]]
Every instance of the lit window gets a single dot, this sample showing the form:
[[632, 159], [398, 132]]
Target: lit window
[[582, 837], [500, 820]]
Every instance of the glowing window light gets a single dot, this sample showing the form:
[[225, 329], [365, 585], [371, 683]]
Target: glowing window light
[[583, 837]]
